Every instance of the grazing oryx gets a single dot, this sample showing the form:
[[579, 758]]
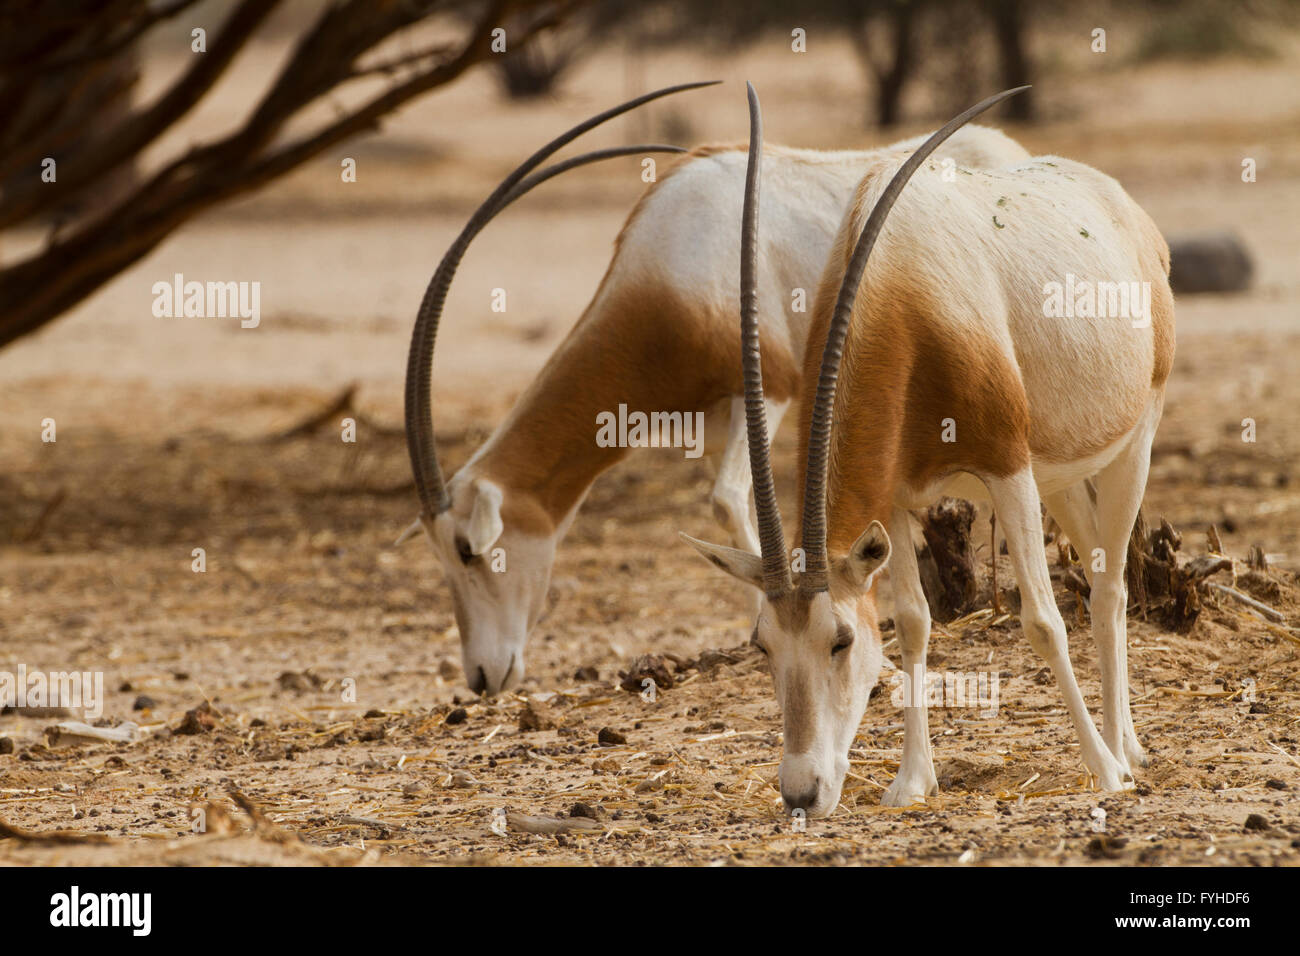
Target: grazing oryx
[[951, 330], [659, 336]]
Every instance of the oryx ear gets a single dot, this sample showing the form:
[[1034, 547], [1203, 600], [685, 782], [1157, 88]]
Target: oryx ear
[[868, 555], [485, 524], [739, 564]]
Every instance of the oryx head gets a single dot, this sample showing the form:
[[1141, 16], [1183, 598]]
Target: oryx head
[[496, 544], [821, 634]]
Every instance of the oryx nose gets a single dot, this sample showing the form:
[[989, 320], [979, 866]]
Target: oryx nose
[[804, 799], [490, 684], [478, 681]]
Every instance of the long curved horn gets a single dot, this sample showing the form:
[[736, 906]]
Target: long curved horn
[[776, 569], [595, 156], [419, 364], [814, 578], [415, 445]]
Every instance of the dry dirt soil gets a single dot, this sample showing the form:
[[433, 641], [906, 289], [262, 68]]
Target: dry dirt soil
[[330, 723]]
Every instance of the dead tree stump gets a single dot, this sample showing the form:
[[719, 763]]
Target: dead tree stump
[[946, 527], [1158, 583]]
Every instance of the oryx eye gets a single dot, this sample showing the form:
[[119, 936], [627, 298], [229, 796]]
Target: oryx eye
[[463, 549], [843, 639]]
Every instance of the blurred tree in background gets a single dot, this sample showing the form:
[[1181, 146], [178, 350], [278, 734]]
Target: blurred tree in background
[[888, 37], [70, 138], [1204, 29]]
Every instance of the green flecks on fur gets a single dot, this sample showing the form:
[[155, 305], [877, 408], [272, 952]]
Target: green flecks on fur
[[998, 224], [1085, 233], [1002, 201]]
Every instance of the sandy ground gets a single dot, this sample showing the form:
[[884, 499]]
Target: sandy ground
[[166, 443]]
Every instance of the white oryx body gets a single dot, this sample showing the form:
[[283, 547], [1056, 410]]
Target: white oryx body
[[659, 336], [958, 377]]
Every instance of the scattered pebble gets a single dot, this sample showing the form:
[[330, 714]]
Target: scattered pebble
[[292, 680], [199, 720], [460, 779], [1105, 847], [537, 715], [646, 667], [588, 811]]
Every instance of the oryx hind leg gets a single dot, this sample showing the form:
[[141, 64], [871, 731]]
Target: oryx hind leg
[[1016, 501], [1120, 488], [1078, 515]]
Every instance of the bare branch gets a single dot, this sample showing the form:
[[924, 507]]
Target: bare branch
[[90, 253], [117, 145]]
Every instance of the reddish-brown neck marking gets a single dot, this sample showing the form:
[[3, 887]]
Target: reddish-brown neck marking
[[642, 347]]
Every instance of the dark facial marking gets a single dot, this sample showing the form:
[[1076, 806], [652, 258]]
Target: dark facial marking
[[798, 713], [843, 639]]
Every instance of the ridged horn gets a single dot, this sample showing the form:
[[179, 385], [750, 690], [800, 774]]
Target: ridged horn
[[815, 578], [429, 481], [776, 568]]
